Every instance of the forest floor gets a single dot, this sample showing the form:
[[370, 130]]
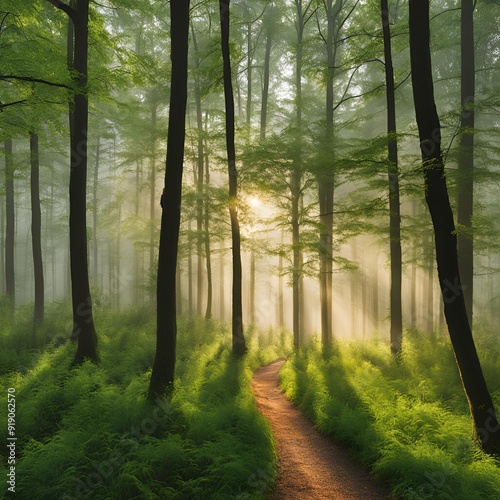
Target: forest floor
[[310, 465]]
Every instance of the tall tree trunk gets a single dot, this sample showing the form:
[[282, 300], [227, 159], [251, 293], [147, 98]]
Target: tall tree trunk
[[10, 227], [265, 87], [208, 256], [326, 187], [137, 278], [2, 245], [94, 211], [466, 161], [249, 71], [487, 429], [118, 245], [296, 291], [199, 180], [281, 308], [152, 197], [162, 376], [190, 270], [222, 311], [429, 294], [53, 249], [252, 286], [36, 233], [239, 346], [83, 320], [296, 183], [394, 203]]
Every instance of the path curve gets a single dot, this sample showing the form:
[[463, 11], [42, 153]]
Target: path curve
[[311, 466]]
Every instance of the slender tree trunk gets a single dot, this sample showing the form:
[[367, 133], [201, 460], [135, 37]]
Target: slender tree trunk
[[178, 288], [83, 320], [326, 187], [208, 311], [281, 309], [136, 212], [375, 298], [296, 291], [199, 181], [162, 376], [222, 311], [466, 161], [252, 286], [239, 346], [10, 227], [429, 310], [487, 428], [118, 254], [152, 197], [190, 270], [296, 183], [265, 88], [394, 203], [2, 244], [249, 73], [36, 233], [94, 211], [51, 233]]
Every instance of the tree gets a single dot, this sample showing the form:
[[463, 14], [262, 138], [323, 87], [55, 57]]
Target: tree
[[10, 226], [238, 339], [466, 159], [486, 427], [83, 321], [394, 204], [162, 376], [36, 232]]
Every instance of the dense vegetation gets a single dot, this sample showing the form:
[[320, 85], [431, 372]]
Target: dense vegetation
[[91, 433], [407, 419]]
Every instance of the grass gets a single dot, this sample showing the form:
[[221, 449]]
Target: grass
[[408, 420], [89, 432]]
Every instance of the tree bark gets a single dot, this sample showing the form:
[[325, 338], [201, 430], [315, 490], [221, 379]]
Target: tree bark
[[238, 339], [265, 88], [94, 211], [10, 227], [486, 427], [152, 196], [326, 187], [466, 160], [199, 179], [162, 376], [36, 233], [83, 321], [208, 256], [394, 201]]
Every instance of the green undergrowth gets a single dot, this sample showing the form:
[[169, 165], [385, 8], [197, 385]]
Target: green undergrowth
[[407, 420], [89, 432]]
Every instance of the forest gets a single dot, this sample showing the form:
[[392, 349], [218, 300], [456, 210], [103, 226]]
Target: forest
[[249, 249]]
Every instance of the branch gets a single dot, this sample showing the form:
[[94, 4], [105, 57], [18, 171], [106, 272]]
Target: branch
[[65, 8], [34, 80], [2, 106], [358, 95]]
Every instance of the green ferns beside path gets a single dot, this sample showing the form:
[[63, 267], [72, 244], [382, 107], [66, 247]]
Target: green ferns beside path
[[407, 420], [91, 433]]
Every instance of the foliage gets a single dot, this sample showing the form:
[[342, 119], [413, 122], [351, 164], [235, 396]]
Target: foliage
[[407, 420], [91, 431]]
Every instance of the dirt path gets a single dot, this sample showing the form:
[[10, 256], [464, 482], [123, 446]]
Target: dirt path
[[311, 466]]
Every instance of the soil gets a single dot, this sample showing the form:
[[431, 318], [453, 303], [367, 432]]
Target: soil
[[310, 465]]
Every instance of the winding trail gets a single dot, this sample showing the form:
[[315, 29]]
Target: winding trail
[[311, 466]]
